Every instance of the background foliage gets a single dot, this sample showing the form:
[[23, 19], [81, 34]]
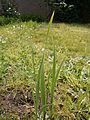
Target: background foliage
[[71, 10], [9, 8], [65, 10]]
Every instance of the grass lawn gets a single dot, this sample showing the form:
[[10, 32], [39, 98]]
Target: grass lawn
[[72, 94]]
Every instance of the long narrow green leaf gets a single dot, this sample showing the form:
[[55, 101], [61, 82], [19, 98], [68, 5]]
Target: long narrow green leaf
[[48, 84], [33, 64], [58, 71], [55, 75], [38, 88], [50, 23], [53, 79], [36, 97], [42, 87]]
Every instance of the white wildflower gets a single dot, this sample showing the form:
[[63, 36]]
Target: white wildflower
[[14, 26], [43, 49], [3, 41], [88, 62]]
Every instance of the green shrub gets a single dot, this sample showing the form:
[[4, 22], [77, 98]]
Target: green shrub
[[32, 17], [22, 18], [71, 10], [7, 20], [8, 8], [10, 12], [64, 11]]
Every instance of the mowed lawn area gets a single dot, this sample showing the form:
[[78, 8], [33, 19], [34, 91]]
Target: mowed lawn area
[[20, 43]]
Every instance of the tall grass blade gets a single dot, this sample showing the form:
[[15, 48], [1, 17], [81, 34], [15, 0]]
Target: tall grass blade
[[55, 75], [38, 88], [42, 87], [58, 70], [53, 79], [33, 64], [36, 97], [50, 23], [48, 85]]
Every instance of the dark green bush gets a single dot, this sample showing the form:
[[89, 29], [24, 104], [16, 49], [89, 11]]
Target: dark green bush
[[7, 20], [25, 18], [64, 11], [10, 14], [8, 8], [71, 10], [84, 10], [4, 20]]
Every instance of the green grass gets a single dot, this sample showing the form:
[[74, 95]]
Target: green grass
[[16, 41], [59, 77]]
